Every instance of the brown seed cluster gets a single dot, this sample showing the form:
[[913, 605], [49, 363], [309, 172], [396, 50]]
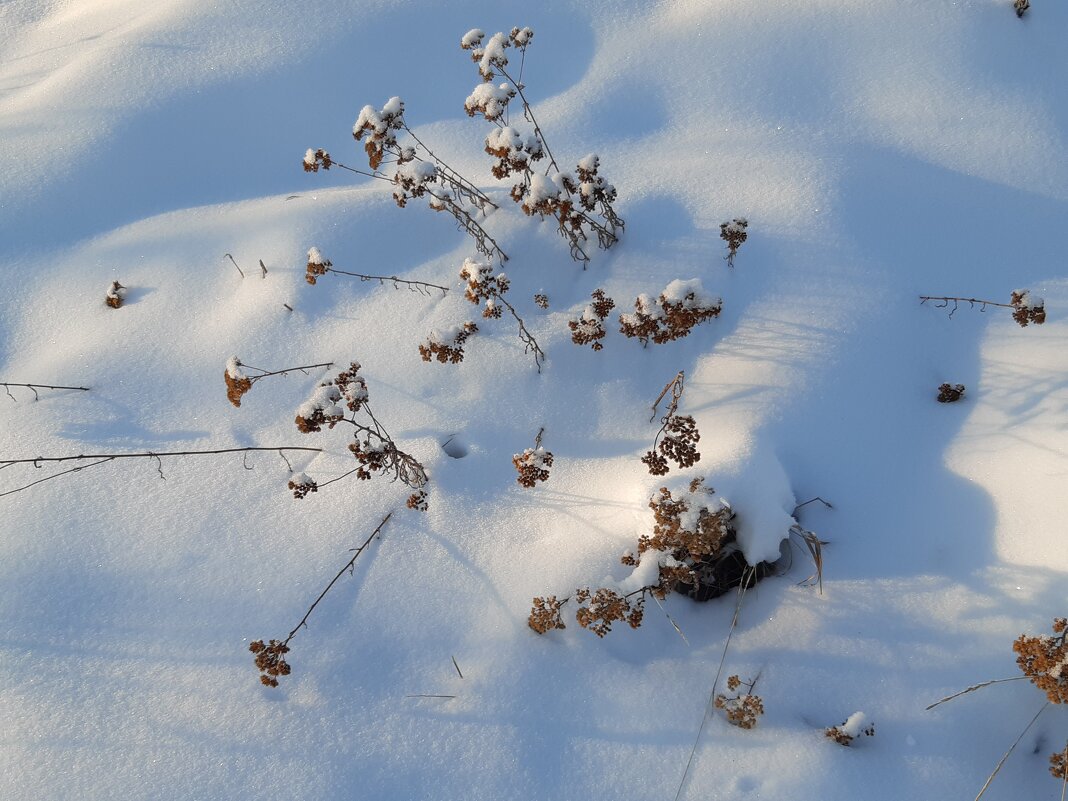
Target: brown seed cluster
[[380, 127], [676, 530], [742, 710], [588, 329], [237, 383], [314, 160], [541, 300], [413, 179], [599, 610], [533, 466], [491, 56], [320, 410], [374, 457], [317, 265], [270, 661], [545, 614], [1021, 7], [950, 393], [1058, 764], [483, 286], [671, 316], [447, 349], [302, 485], [513, 152], [734, 234], [1026, 308], [115, 295], [676, 441], [417, 501], [1044, 660], [841, 736]]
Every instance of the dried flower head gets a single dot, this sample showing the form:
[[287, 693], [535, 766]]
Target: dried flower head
[[417, 501], [1044, 660], [687, 528], [270, 660], [850, 729], [314, 160], [483, 286], [1058, 764], [599, 610], [380, 127], [447, 346], [588, 329], [950, 393], [681, 306], [742, 710], [541, 300], [321, 409], [1027, 308], [734, 234], [533, 466], [545, 614], [302, 485], [413, 180], [317, 265], [115, 296], [1021, 6], [237, 382]]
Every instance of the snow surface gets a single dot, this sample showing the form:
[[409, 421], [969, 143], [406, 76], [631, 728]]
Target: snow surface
[[880, 150]]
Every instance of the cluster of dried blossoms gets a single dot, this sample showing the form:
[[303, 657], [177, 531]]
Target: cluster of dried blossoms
[[580, 202], [672, 315], [950, 393], [239, 381], [270, 660], [1026, 308], [417, 501], [447, 346], [417, 172], [115, 295], [533, 464], [372, 447], [1058, 764], [734, 234], [1044, 660], [541, 300], [1021, 7], [678, 435], [588, 329], [689, 536], [317, 265], [301, 485], [486, 288], [850, 729], [742, 709]]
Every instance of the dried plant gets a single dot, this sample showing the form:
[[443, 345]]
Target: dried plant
[[319, 266], [678, 435], [742, 709], [486, 288], [950, 393], [672, 315], [1058, 764], [850, 729], [417, 501], [1044, 661], [270, 657], [734, 234], [115, 296], [588, 329], [545, 614], [533, 463], [34, 387], [447, 346], [1026, 308], [541, 300], [1021, 7], [301, 485], [417, 172], [372, 446], [239, 381], [86, 461], [581, 203]]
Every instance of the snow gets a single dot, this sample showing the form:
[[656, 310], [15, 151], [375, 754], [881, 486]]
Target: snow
[[879, 149]]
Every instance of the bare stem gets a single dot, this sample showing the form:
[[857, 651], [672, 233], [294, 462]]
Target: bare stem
[[286, 371], [231, 258], [421, 287], [973, 688], [943, 302], [36, 461], [530, 345], [1011, 749], [34, 387], [528, 112], [349, 566]]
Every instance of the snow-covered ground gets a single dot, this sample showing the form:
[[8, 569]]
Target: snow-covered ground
[[880, 149]]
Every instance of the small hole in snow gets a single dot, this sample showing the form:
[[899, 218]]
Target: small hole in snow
[[454, 447]]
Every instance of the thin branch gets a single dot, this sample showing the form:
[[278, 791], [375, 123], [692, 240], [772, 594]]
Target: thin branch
[[231, 258], [676, 385], [457, 666], [973, 688], [806, 503], [424, 695], [423, 287], [265, 373], [528, 112], [1011, 749], [54, 475], [349, 566], [715, 683], [530, 345], [37, 460], [943, 302]]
